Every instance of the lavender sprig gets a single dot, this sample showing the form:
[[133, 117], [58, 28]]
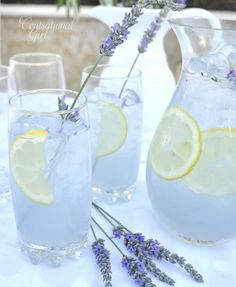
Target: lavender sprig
[[134, 243], [174, 258], [152, 247], [150, 33], [133, 266], [72, 116], [119, 32], [136, 270], [103, 260]]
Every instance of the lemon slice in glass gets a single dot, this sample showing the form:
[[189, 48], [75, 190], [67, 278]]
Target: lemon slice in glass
[[28, 165], [176, 145], [214, 173], [113, 129]]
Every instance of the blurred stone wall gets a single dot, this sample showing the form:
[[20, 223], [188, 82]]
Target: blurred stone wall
[[76, 40]]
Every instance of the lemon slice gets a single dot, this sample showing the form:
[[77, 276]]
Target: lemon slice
[[176, 145], [28, 165], [113, 129], [214, 173]]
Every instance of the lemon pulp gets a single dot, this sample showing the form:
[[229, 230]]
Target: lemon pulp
[[214, 173], [176, 146], [28, 165], [113, 129]]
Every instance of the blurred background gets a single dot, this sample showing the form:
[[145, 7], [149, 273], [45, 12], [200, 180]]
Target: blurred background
[[207, 4], [39, 26]]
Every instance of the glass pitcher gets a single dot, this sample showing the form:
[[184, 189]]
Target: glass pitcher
[[191, 169]]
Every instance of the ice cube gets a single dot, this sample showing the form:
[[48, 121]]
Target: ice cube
[[197, 65], [217, 65], [219, 60], [225, 49], [130, 98]]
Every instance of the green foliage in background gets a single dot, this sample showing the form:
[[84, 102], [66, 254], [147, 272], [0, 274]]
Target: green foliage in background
[[72, 6]]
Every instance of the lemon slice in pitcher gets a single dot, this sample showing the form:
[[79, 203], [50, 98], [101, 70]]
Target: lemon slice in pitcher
[[214, 173], [28, 165], [113, 129], [176, 145]]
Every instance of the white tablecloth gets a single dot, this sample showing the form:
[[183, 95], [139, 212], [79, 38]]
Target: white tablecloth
[[217, 264]]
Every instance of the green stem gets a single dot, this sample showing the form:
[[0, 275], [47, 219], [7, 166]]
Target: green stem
[[103, 212], [85, 81], [104, 232], [105, 216], [130, 71], [93, 231]]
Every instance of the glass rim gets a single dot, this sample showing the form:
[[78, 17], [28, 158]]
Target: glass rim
[[13, 106], [193, 23], [86, 70], [14, 59], [7, 72]]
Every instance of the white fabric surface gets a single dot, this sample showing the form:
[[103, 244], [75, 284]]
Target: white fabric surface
[[217, 264]]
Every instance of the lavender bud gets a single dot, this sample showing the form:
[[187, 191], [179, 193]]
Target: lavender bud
[[135, 269], [119, 32], [231, 76], [103, 261]]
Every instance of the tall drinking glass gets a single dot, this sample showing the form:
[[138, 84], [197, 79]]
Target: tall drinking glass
[[50, 174], [37, 71], [115, 108], [5, 89]]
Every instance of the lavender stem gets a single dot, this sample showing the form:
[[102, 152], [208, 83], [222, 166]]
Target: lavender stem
[[130, 71], [102, 211], [108, 237], [85, 81]]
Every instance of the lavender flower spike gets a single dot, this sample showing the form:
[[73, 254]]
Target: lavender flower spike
[[146, 249], [134, 242], [103, 260], [119, 32], [150, 33], [136, 270], [62, 104]]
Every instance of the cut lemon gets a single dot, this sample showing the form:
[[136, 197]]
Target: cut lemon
[[176, 145], [113, 129], [28, 165], [214, 173]]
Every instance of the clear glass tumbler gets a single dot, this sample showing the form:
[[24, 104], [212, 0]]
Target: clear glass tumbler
[[115, 108], [37, 71], [50, 174], [6, 86]]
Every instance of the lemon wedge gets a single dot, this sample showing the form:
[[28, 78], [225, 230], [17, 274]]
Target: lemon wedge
[[176, 146], [214, 173], [28, 165], [113, 129]]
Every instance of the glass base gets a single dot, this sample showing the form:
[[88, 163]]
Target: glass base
[[196, 241], [113, 195], [5, 193], [53, 256]]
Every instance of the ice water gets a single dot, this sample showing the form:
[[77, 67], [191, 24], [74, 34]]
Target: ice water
[[115, 175], [4, 145], [207, 93], [58, 228]]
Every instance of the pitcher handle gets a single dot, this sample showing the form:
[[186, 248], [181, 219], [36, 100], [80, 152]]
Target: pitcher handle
[[199, 13]]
